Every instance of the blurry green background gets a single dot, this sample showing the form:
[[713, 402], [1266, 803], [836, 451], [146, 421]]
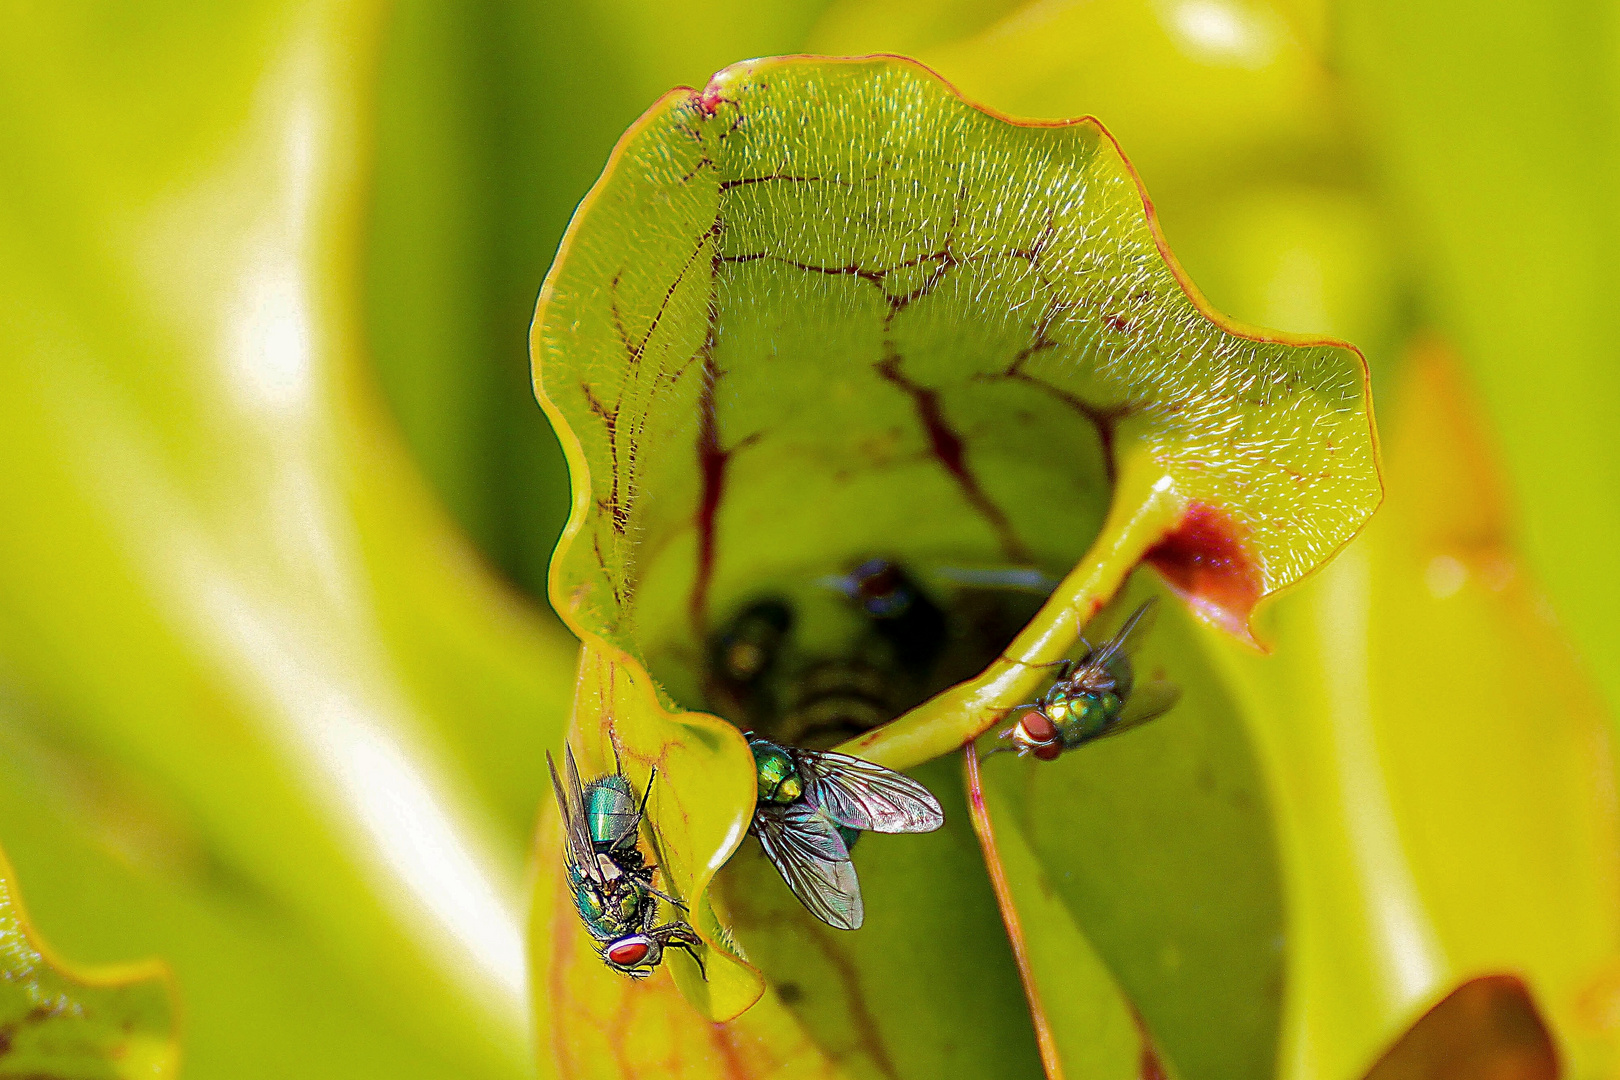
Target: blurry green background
[[276, 502]]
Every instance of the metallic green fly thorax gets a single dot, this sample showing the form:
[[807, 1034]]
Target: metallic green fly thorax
[[1091, 697], [1083, 715], [779, 780]]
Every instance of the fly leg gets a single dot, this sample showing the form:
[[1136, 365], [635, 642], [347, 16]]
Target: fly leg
[[1066, 666], [1007, 733], [643, 879], [645, 795], [670, 900], [680, 936]]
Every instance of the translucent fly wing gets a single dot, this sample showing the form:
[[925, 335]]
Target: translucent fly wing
[[577, 846], [1013, 578], [860, 795], [807, 851], [1147, 702], [1130, 636]]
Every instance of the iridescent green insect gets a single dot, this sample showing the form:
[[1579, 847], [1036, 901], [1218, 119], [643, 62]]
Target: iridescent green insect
[[610, 880], [805, 796], [1093, 697]]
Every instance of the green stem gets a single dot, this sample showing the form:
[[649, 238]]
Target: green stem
[[1145, 507]]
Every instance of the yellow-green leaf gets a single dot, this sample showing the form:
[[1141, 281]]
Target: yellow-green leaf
[[220, 570], [1083, 1022], [1160, 847], [928, 986], [1315, 849]]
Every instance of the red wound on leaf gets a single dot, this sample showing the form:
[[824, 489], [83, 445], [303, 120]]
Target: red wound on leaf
[[1204, 560], [709, 100]]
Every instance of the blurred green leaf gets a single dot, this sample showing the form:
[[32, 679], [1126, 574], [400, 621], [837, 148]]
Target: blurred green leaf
[[1436, 823], [226, 576], [113, 868], [1495, 142]]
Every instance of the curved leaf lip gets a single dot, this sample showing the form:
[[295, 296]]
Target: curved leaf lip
[[1218, 585], [98, 976], [719, 731], [1230, 605], [614, 691]]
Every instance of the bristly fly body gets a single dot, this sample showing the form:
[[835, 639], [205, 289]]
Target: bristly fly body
[[1093, 697], [609, 878]]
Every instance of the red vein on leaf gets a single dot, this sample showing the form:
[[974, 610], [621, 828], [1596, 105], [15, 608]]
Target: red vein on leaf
[[1103, 418], [713, 457], [861, 1017], [730, 1056], [948, 449], [980, 813], [744, 181], [797, 922]]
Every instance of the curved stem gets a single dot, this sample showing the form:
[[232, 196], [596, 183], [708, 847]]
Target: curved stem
[[1145, 507]]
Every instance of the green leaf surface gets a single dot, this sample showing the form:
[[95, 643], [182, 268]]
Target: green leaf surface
[[1161, 846], [1232, 119], [1083, 1023], [927, 986], [111, 1023], [1314, 850], [825, 308]]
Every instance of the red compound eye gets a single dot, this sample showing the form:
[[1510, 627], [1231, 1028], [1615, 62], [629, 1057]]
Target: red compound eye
[[1048, 751], [1037, 727], [628, 953]]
